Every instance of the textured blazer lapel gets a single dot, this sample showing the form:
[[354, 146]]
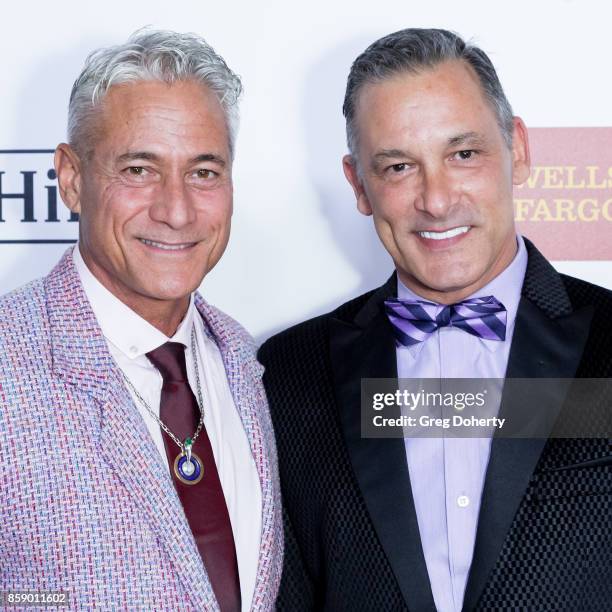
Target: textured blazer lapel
[[128, 448], [365, 348], [244, 375], [81, 358], [549, 338]]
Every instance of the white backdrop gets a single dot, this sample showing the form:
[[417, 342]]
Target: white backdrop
[[298, 245]]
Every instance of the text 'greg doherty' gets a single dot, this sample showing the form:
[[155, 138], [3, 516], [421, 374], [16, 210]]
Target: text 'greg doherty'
[[438, 422], [412, 401]]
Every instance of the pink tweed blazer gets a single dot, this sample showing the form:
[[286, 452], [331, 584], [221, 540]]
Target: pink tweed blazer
[[87, 505]]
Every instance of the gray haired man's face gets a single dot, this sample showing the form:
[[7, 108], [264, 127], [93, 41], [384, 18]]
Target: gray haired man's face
[[437, 176], [155, 198]]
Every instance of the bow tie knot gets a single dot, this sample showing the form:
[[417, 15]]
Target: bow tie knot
[[414, 321]]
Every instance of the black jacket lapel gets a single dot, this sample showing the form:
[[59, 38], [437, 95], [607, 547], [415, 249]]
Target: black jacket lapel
[[364, 348], [549, 338]]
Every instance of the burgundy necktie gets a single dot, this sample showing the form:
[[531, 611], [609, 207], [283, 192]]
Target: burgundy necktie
[[204, 502]]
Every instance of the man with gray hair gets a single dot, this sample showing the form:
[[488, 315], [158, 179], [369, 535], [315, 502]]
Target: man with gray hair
[[432, 522], [137, 455]]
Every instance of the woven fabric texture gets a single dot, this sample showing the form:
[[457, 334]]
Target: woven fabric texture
[[88, 506]]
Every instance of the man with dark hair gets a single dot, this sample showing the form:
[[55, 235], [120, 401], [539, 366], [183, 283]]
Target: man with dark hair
[[442, 523]]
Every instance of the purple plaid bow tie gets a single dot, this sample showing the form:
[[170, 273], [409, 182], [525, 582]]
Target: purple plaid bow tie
[[414, 320]]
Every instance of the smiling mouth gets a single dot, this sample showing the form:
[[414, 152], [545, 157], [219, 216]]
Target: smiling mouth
[[165, 246], [451, 233]]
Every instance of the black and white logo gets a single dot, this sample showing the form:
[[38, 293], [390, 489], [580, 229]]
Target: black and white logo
[[30, 209]]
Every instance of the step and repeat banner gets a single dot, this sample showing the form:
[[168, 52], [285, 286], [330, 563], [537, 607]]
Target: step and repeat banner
[[299, 247]]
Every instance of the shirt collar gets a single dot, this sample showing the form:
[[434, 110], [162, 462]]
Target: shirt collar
[[506, 287], [124, 328]]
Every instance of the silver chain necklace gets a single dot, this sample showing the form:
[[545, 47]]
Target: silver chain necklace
[[188, 467]]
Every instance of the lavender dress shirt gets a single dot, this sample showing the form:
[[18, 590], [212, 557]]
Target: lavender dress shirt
[[447, 474]]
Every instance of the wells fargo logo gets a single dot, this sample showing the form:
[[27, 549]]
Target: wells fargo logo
[[565, 206]]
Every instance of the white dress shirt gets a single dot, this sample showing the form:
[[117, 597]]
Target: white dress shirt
[[447, 474], [129, 338]]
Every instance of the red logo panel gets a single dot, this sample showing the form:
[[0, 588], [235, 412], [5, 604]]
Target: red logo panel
[[565, 206]]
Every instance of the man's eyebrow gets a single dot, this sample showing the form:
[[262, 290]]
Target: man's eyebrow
[[471, 138], [134, 155], [208, 157], [385, 154], [148, 156], [389, 154]]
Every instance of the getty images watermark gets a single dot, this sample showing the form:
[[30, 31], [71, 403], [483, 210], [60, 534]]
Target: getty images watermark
[[480, 408], [423, 401]]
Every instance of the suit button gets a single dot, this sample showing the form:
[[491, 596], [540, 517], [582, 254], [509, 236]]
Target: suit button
[[463, 501]]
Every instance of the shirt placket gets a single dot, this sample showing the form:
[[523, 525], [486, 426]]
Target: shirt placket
[[460, 466]]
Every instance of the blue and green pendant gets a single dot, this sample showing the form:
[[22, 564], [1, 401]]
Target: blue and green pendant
[[188, 466]]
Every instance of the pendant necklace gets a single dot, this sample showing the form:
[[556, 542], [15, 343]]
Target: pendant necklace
[[188, 467]]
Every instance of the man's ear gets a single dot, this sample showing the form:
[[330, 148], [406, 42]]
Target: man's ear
[[521, 159], [68, 170], [352, 176]]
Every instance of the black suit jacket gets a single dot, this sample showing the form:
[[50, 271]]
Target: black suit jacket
[[544, 537]]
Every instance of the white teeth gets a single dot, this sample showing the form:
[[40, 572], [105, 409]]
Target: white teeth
[[444, 235], [166, 247]]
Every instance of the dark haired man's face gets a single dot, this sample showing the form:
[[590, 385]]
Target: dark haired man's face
[[437, 176]]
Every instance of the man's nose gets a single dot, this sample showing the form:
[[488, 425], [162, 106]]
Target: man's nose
[[173, 204], [437, 193]]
